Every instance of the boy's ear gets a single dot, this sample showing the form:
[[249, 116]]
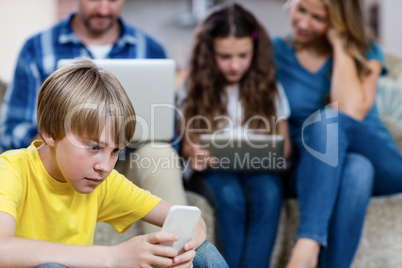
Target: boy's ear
[[49, 140]]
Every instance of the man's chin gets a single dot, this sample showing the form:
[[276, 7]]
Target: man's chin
[[99, 28]]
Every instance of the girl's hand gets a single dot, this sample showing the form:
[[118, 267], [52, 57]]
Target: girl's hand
[[199, 158]]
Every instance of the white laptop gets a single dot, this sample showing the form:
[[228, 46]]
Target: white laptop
[[253, 153], [149, 84]]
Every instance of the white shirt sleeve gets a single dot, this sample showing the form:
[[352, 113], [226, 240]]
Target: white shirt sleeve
[[282, 104]]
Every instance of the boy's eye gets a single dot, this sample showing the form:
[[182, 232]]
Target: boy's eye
[[116, 150], [93, 147]]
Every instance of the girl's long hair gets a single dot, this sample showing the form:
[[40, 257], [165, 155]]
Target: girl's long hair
[[206, 95], [347, 16]]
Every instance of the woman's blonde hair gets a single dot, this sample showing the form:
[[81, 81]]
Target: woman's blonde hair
[[80, 98], [347, 16]]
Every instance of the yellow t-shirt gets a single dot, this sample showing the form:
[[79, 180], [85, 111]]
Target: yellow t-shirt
[[49, 210]]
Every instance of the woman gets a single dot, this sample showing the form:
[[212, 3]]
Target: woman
[[329, 69]]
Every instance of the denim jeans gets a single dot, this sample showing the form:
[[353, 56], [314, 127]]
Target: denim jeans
[[334, 188], [247, 207], [207, 257]]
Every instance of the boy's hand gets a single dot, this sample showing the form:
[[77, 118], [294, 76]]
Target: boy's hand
[[145, 251], [157, 216], [185, 259], [200, 234]]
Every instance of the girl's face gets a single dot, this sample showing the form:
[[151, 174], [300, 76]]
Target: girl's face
[[233, 57], [309, 19]]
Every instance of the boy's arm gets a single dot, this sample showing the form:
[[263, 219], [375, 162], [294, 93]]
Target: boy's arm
[[15, 251], [141, 251], [158, 214]]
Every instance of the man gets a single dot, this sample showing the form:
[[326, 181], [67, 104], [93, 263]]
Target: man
[[95, 31]]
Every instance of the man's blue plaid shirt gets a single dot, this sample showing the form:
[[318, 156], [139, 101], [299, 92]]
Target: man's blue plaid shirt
[[38, 59]]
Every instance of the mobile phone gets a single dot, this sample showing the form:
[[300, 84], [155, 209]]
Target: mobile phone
[[181, 221]]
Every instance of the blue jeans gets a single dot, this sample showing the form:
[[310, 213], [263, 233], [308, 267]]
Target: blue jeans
[[247, 207], [346, 221], [207, 257], [334, 189]]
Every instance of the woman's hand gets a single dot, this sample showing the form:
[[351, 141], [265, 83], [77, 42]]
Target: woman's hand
[[354, 95], [335, 38]]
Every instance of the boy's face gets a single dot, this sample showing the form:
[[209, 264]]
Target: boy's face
[[83, 162]]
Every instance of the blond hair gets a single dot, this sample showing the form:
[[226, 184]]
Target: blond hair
[[79, 98], [347, 17]]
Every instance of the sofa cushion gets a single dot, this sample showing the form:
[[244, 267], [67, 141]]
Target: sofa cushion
[[395, 128], [389, 98]]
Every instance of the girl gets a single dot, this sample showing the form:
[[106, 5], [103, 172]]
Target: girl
[[343, 150], [232, 68]]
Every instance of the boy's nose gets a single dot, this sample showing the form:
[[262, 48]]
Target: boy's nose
[[104, 165]]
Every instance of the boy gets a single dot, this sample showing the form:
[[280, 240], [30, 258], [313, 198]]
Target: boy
[[53, 193], [97, 30]]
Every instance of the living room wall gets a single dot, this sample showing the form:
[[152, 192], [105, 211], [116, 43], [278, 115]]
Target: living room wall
[[21, 18]]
